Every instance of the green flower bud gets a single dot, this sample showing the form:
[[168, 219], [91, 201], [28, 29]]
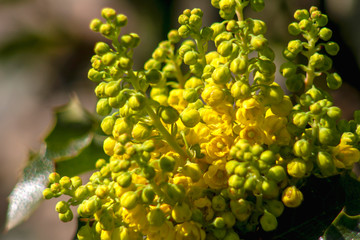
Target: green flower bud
[[231, 235], [169, 115], [227, 6], [219, 222], [292, 197], [175, 192], [334, 81], [258, 42], [295, 82], [217, 29], [268, 156], [332, 48], [129, 200], [302, 148], [195, 21], [65, 182], [106, 30], [301, 119], [301, 14], [288, 69], [294, 29], [295, 46], [325, 163], [320, 19], [317, 60], [218, 203], [250, 183], [240, 90], [120, 20], [147, 195], [108, 13], [85, 233], [268, 222], [181, 213], [47, 193], [190, 117], [257, 5], [276, 173], [174, 36], [125, 63], [76, 181], [305, 25], [95, 24], [62, 207], [112, 88], [275, 207], [190, 57], [66, 217], [107, 125], [239, 65], [296, 168], [266, 54], [221, 75], [269, 189], [81, 193], [184, 49], [241, 208], [215, 3], [328, 136], [334, 112], [288, 55], [148, 172], [183, 19], [102, 107], [327, 64], [224, 36], [193, 171], [100, 90], [256, 26], [94, 75], [236, 182], [137, 101], [325, 34], [273, 94], [54, 177], [225, 48], [119, 100], [156, 217], [241, 169], [232, 26], [141, 131], [153, 76], [101, 48], [167, 163], [190, 95], [184, 31], [124, 180]]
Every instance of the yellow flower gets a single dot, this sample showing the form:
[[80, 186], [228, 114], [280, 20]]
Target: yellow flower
[[198, 134], [218, 147], [189, 231], [216, 176], [249, 111], [164, 232], [345, 156], [253, 133], [213, 95], [176, 99], [205, 204]]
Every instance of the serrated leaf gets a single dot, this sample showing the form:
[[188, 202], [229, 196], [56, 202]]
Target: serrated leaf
[[27, 194], [84, 162], [72, 132]]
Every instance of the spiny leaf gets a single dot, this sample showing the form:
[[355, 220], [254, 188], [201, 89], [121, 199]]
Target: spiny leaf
[[27, 193], [72, 132]]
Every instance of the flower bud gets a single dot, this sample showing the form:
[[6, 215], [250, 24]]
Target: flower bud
[[191, 57], [241, 208], [296, 168], [288, 69], [217, 29], [76, 181], [65, 182], [240, 90], [106, 30], [129, 200], [325, 34], [292, 197], [95, 24], [174, 36], [269, 189], [325, 163], [175, 191], [213, 95], [333, 80], [275, 207], [195, 21], [268, 156], [107, 125], [167, 163], [85, 233], [47, 193], [257, 5], [62, 207], [332, 48], [231, 235], [190, 117], [302, 148], [238, 65], [218, 203], [184, 31], [54, 177], [147, 195], [334, 112], [153, 76], [268, 222], [273, 94], [193, 171], [225, 48], [224, 36], [328, 136], [124, 180], [221, 75], [294, 29], [148, 172], [276, 173], [101, 48], [258, 42], [156, 217], [94, 75], [227, 6], [181, 213], [141, 131], [66, 217], [169, 115], [102, 107], [305, 25], [219, 222], [215, 3], [120, 20], [295, 46], [236, 182], [137, 101], [295, 82], [301, 14]]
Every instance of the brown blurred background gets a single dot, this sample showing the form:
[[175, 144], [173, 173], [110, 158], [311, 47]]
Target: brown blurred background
[[45, 48]]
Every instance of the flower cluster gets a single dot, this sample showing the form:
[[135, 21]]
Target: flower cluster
[[215, 151]]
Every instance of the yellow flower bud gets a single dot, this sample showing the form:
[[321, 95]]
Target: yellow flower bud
[[190, 117], [292, 197], [181, 213], [296, 168]]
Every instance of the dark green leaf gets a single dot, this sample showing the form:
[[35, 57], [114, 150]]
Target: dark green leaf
[[72, 132], [27, 193], [83, 162]]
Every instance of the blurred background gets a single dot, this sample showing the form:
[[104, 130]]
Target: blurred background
[[45, 51]]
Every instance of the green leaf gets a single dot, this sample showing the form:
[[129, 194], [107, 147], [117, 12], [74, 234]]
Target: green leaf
[[72, 132], [27, 193], [84, 162]]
